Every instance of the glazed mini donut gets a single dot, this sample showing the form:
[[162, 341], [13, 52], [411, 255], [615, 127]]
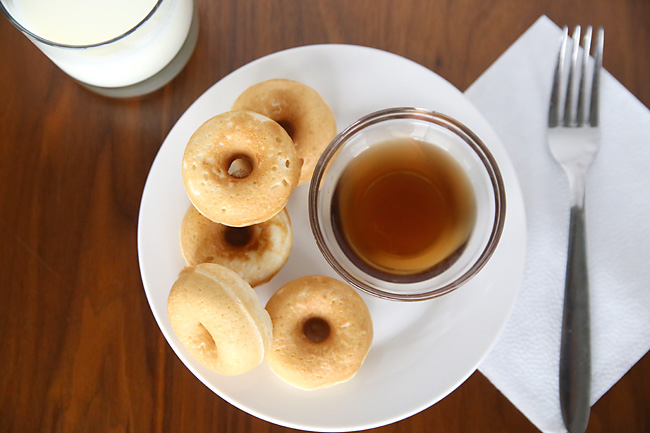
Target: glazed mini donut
[[255, 252], [322, 331], [239, 168], [217, 316], [300, 110]]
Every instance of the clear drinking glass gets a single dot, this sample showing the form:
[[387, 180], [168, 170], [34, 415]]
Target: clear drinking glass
[[430, 129], [117, 49]]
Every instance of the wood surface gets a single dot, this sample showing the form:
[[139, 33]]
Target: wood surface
[[80, 350]]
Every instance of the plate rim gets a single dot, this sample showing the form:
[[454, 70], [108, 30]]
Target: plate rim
[[514, 191]]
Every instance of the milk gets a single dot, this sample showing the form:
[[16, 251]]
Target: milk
[[88, 38], [81, 22]]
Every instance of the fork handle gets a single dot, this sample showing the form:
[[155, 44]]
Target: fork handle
[[575, 348]]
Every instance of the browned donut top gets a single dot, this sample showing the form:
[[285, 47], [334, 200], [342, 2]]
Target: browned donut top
[[255, 252], [239, 168], [322, 331]]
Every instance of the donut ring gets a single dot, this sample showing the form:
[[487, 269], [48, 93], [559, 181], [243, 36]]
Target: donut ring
[[217, 316], [255, 252], [239, 168], [322, 331], [300, 110]]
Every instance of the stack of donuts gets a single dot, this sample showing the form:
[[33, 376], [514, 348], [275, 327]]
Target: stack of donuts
[[239, 170]]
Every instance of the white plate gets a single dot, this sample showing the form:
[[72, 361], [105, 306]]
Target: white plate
[[421, 351]]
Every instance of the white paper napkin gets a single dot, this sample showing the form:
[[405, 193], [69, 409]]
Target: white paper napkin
[[513, 95]]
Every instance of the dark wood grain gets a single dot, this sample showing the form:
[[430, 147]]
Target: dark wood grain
[[80, 349]]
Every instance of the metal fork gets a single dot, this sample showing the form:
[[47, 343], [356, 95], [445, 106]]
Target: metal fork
[[574, 139]]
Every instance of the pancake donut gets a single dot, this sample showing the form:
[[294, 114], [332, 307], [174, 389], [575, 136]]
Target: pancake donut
[[239, 168], [217, 316], [322, 331], [300, 110], [255, 252]]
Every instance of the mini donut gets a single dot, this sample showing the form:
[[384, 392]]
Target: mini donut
[[255, 252], [300, 110], [239, 168], [217, 316], [322, 331]]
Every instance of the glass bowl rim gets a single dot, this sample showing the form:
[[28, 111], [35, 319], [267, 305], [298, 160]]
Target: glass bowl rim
[[469, 137]]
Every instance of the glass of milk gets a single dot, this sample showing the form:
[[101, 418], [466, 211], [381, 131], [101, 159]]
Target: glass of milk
[[118, 48]]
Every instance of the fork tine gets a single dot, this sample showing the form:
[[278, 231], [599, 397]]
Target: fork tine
[[594, 117], [554, 107], [582, 94], [569, 113]]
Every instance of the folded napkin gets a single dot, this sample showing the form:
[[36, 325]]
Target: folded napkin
[[513, 95]]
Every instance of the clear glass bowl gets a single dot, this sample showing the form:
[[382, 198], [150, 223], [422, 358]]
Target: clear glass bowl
[[435, 129]]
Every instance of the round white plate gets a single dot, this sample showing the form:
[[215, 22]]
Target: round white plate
[[421, 351]]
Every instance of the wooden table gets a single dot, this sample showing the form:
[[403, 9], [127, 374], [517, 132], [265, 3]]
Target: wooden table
[[80, 350]]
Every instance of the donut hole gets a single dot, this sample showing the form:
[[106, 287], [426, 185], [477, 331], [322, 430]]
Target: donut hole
[[240, 166], [205, 340], [238, 236], [316, 329], [287, 126]]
